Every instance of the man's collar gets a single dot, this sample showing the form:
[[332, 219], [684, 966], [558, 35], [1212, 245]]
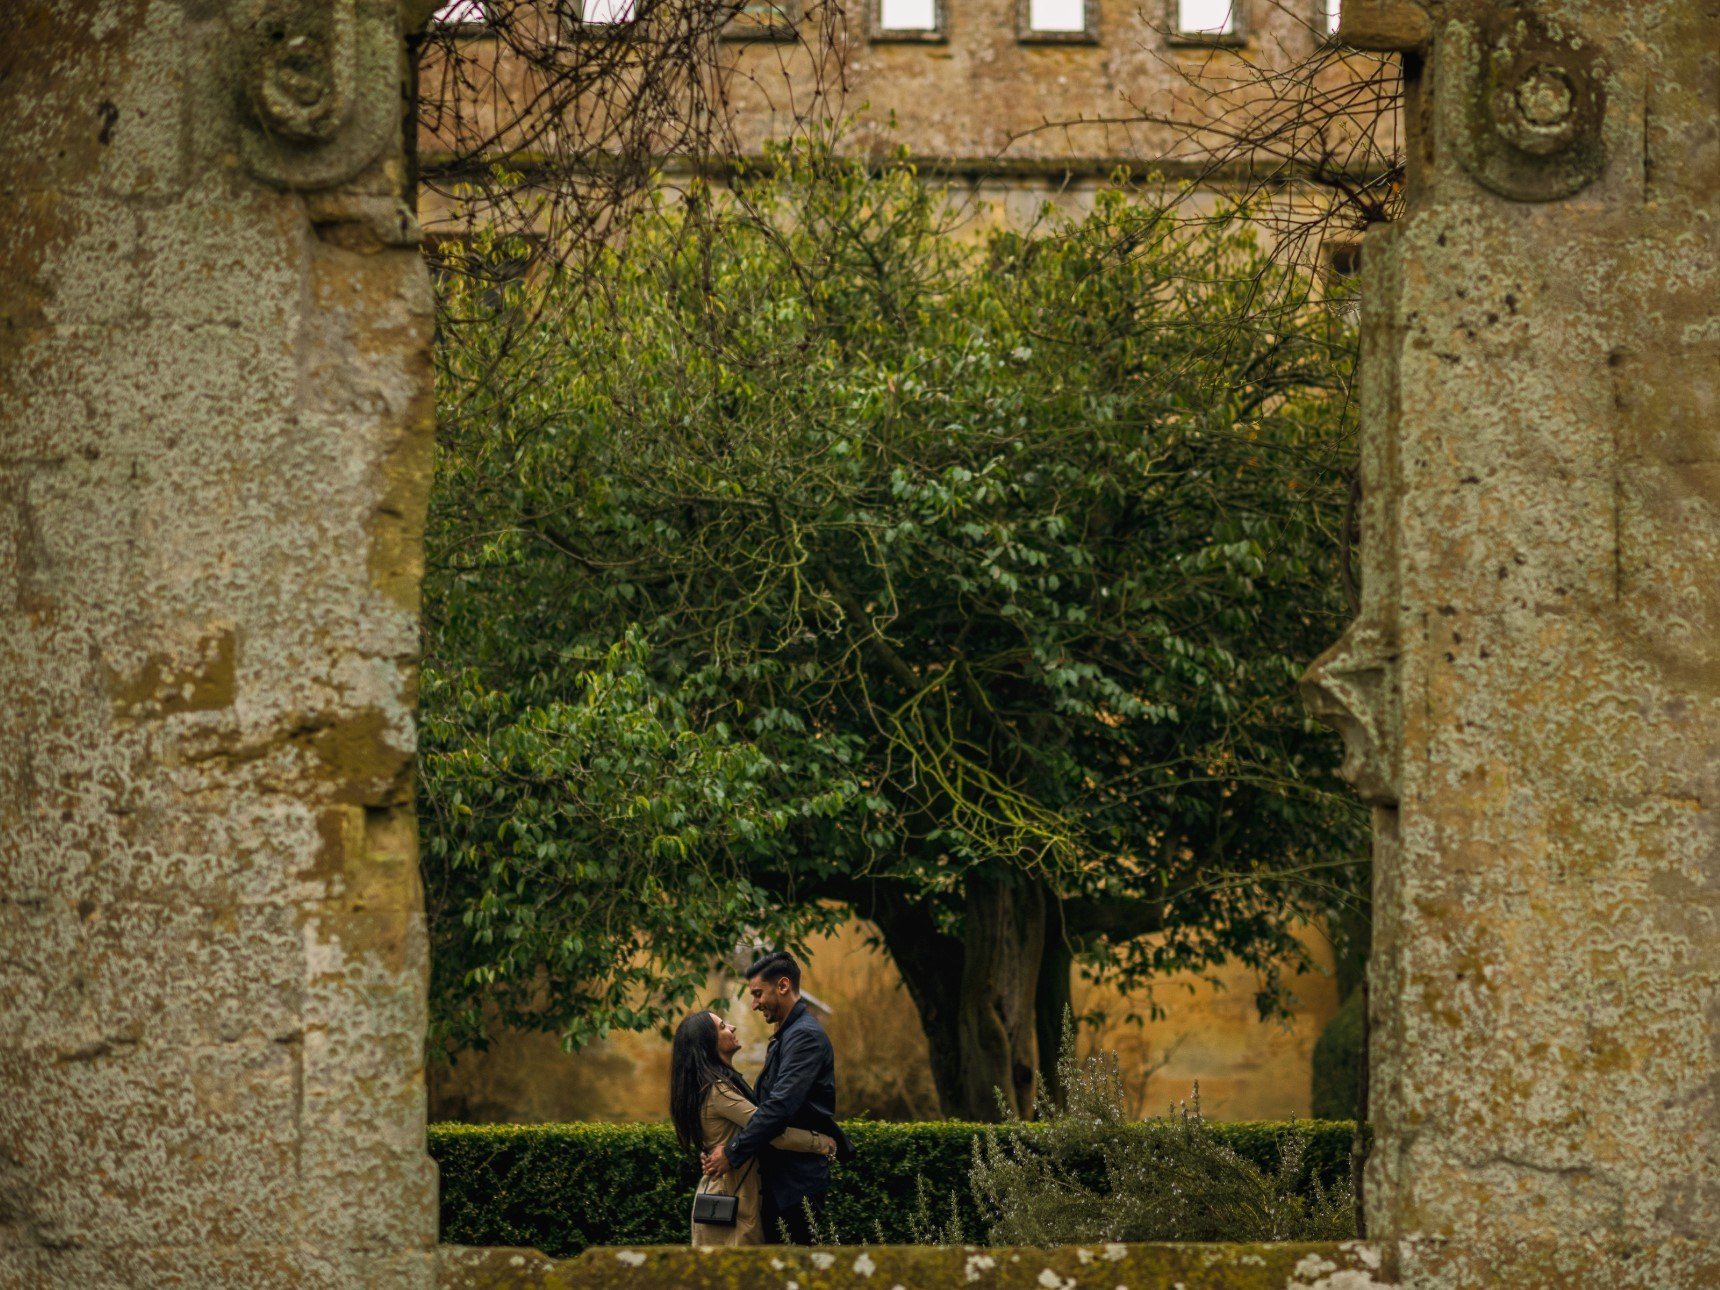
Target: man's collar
[[793, 1014]]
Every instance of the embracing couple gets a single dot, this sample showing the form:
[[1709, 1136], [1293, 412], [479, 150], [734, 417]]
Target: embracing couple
[[766, 1156]]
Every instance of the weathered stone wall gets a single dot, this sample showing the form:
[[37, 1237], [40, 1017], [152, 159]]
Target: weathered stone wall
[[1532, 693], [983, 94], [981, 99], [215, 422]]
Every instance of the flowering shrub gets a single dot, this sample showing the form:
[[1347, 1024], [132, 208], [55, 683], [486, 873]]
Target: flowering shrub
[[1085, 1172]]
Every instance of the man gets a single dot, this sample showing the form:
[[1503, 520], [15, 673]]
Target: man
[[797, 1089]]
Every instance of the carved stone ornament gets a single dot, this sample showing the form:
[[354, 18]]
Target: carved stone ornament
[[1524, 104], [319, 87], [1353, 687]]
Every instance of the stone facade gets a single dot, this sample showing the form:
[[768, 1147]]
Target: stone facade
[[215, 435], [1531, 695], [995, 102], [1008, 119]]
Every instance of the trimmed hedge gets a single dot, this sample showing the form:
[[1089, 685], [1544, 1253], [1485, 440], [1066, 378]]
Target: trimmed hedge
[[562, 1187]]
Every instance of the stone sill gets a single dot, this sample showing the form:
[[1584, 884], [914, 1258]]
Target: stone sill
[[743, 30], [907, 36], [1187, 40], [1286, 1266]]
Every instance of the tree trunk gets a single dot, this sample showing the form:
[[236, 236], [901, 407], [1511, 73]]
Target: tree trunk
[[1056, 996], [930, 963], [1003, 939], [976, 995]]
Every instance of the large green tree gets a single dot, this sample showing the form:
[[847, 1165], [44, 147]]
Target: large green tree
[[816, 560]]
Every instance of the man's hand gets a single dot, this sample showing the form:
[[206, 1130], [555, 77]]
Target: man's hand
[[716, 1162]]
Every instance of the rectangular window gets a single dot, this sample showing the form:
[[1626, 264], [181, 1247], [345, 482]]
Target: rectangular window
[[1206, 22], [1057, 20], [762, 20], [907, 20], [608, 13], [461, 13]]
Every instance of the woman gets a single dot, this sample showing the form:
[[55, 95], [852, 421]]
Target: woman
[[709, 1103]]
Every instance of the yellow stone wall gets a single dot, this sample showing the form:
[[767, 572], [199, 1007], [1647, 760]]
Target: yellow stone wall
[[1247, 1068]]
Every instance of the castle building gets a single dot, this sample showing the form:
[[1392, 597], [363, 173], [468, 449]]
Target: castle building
[[1019, 100]]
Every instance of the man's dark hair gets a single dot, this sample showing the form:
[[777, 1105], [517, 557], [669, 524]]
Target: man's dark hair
[[774, 966]]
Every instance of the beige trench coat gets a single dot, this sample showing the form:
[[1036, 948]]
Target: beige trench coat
[[724, 1114]]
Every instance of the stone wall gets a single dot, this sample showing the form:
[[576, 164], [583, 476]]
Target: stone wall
[[1246, 1068], [215, 428], [1130, 94], [1532, 693], [981, 98]]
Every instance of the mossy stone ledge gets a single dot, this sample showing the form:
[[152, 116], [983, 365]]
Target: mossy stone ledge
[[1349, 1265]]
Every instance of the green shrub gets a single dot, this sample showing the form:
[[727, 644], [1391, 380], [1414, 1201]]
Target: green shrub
[[1338, 1059], [562, 1187], [1083, 1172]]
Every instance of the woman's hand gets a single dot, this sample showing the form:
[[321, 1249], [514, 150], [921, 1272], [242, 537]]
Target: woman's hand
[[826, 1144]]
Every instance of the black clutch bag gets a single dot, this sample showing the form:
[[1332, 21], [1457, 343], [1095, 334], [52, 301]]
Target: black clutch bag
[[716, 1210]]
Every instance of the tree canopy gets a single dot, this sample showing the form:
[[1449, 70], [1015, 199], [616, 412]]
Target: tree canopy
[[813, 559]]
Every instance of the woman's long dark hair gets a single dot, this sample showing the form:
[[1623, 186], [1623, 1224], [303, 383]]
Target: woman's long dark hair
[[693, 1067]]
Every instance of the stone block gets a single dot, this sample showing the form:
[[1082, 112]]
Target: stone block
[[298, 1265], [98, 235], [132, 402], [134, 1144], [225, 252], [100, 981], [1544, 544], [97, 102]]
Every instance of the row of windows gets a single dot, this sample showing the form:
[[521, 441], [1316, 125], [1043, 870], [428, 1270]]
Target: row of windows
[[1213, 22]]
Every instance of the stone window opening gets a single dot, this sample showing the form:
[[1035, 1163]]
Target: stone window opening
[[763, 20], [1206, 22], [463, 18], [908, 20], [608, 13], [1057, 21], [1330, 15]]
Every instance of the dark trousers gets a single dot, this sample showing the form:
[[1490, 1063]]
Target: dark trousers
[[793, 1223]]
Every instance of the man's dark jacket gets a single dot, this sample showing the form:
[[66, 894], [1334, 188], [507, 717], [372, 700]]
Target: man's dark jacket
[[796, 1089]]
